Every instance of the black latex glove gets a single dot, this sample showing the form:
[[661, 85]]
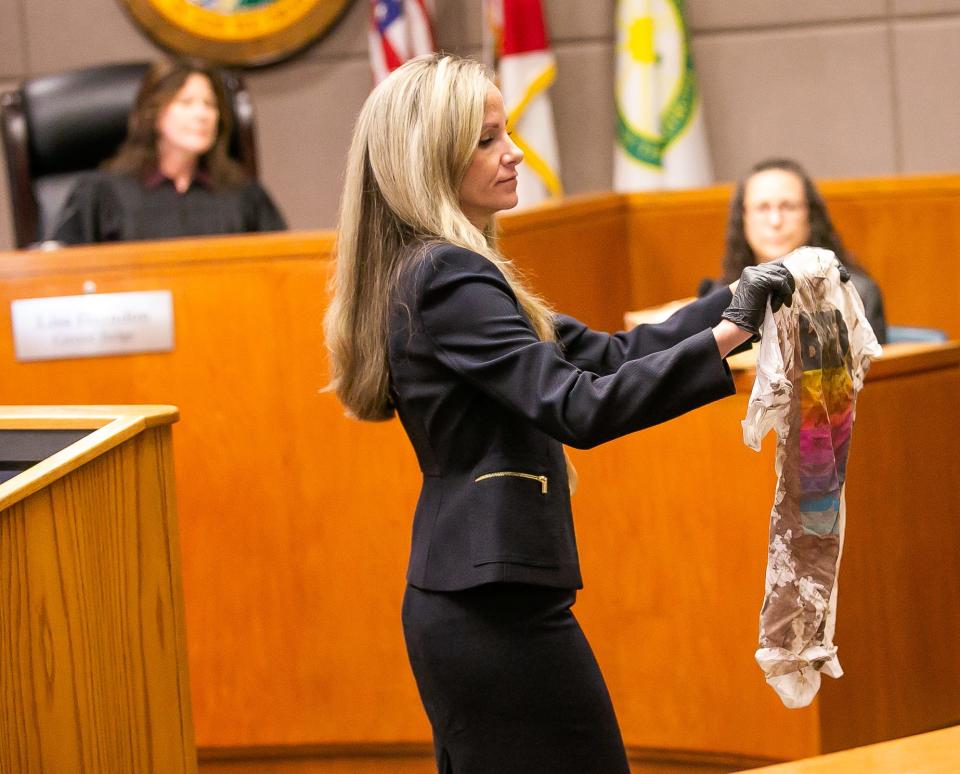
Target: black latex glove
[[844, 274], [771, 281]]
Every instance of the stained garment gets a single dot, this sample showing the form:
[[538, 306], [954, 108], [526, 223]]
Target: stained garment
[[812, 361]]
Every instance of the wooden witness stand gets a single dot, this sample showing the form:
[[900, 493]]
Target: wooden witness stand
[[93, 663], [295, 521]]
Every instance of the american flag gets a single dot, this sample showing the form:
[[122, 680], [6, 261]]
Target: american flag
[[399, 30]]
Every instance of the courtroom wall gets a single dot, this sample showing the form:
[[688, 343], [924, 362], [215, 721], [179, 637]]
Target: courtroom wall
[[851, 87]]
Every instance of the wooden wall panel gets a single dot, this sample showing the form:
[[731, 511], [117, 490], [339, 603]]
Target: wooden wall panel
[[905, 231], [410, 760], [344, 765], [574, 253], [897, 624], [282, 564], [675, 240]]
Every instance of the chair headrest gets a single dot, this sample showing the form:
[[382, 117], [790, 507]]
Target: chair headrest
[[79, 118]]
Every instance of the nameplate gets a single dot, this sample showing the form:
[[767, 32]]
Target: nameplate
[[92, 325]]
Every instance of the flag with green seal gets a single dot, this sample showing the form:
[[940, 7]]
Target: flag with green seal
[[660, 140]]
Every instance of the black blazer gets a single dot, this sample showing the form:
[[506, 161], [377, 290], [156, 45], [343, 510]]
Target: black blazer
[[487, 406]]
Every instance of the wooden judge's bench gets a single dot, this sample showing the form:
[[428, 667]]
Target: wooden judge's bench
[[295, 521]]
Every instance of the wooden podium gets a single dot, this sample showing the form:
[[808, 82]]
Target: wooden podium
[[93, 671]]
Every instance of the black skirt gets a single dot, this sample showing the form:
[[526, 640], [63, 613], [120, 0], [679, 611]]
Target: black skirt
[[509, 682]]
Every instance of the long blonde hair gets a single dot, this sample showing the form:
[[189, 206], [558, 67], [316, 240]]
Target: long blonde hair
[[412, 145]]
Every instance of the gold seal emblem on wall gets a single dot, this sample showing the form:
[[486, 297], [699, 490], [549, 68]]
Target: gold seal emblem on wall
[[236, 32]]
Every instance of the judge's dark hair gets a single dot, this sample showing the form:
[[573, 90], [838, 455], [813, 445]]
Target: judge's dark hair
[[739, 254], [137, 156]]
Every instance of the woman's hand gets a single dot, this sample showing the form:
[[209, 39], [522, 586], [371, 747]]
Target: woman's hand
[[769, 281]]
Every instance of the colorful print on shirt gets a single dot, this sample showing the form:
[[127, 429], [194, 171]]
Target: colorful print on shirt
[[826, 410]]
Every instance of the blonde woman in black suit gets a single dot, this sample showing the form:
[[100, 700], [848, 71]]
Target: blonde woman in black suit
[[429, 322]]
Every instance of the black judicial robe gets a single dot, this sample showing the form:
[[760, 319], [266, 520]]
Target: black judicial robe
[[109, 207]]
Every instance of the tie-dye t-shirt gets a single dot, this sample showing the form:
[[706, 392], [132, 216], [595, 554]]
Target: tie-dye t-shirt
[[812, 360], [826, 419]]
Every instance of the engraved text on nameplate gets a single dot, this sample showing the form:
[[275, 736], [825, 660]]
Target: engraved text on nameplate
[[92, 325]]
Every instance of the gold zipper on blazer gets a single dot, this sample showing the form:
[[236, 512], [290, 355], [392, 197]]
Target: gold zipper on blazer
[[516, 474]]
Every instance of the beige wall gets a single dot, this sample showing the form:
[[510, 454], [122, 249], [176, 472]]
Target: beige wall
[[850, 87]]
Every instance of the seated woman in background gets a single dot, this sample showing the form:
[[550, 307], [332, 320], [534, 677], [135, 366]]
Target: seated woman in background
[[172, 177], [775, 209]]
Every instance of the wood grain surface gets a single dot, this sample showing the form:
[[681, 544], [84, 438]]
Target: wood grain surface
[[93, 672], [904, 231], [936, 752]]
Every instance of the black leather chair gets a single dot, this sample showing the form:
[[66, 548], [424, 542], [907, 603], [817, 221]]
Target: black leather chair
[[56, 127]]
